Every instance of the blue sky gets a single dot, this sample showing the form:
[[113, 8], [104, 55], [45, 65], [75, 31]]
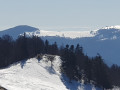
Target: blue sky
[[60, 14]]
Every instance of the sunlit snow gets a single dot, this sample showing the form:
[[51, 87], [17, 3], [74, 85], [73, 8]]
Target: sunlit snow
[[69, 34], [35, 74]]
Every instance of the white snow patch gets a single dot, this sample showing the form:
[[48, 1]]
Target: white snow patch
[[33, 76], [69, 34], [110, 27]]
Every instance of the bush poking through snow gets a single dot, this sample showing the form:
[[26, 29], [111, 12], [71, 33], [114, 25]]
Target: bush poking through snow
[[50, 58], [39, 56]]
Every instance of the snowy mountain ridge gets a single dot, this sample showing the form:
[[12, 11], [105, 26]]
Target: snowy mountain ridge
[[107, 33], [30, 31], [66, 34]]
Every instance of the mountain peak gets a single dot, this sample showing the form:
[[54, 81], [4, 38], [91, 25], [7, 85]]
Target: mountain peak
[[23, 28], [107, 33], [17, 30]]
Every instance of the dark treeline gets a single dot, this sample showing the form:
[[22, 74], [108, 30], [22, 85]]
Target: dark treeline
[[23, 48], [75, 64], [78, 66]]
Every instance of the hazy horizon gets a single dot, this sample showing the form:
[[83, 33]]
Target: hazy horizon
[[60, 15]]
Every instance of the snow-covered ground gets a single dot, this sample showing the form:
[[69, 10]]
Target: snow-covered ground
[[35, 74], [67, 34]]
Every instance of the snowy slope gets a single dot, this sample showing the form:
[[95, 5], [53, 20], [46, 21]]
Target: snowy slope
[[36, 74], [107, 33], [33, 76]]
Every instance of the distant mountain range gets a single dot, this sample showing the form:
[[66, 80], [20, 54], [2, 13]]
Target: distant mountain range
[[18, 30], [105, 41]]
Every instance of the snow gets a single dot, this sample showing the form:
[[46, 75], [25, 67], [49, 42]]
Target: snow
[[116, 88], [110, 27], [30, 31], [34, 74], [68, 34]]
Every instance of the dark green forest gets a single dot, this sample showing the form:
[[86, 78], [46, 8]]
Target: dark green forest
[[75, 64]]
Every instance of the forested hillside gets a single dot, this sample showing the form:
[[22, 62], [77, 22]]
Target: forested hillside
[[75, 64]]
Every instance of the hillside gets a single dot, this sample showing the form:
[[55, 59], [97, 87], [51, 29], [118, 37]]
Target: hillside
[[37, 75], [31, 75], [105, 41], [16, 31]]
